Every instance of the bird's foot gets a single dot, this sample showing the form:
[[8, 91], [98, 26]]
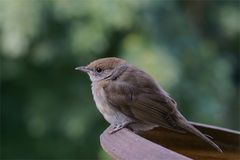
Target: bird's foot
[[117, 127]]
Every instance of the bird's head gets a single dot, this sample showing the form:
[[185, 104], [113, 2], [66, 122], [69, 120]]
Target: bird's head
[[102, 68]]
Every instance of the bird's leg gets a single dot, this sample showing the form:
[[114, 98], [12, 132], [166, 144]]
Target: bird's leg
[[118, 126]]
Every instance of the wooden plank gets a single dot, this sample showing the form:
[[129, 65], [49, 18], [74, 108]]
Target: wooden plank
[[126, 145], [162, 143]]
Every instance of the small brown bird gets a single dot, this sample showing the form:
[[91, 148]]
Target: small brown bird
[[128, 97]]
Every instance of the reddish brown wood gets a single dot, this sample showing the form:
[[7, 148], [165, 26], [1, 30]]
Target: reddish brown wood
[[164, 144], [126, 145]]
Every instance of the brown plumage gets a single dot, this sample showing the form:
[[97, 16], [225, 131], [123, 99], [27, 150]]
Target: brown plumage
[[127, 96]]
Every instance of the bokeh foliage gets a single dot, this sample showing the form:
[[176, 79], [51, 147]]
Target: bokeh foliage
[[47, 110]]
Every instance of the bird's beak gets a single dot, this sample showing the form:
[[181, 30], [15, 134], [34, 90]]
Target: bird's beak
[[83, 69]]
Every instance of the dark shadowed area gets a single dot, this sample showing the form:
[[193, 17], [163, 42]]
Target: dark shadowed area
[[47, 109]]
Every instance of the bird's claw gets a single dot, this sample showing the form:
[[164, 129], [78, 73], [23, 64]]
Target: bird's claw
[[117, 127]]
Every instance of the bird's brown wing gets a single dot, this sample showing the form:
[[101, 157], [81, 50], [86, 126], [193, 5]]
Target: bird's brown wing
[[146, 104]]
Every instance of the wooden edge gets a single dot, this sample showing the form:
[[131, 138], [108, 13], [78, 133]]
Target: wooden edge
[[215, 128], [126, 145]]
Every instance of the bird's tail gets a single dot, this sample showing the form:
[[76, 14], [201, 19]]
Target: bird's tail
[[188, 127]]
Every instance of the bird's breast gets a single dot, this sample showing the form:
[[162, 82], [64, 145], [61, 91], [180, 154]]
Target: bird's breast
[[102, 104]]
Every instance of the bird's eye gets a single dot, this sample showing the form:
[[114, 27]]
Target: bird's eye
[[99, 70]]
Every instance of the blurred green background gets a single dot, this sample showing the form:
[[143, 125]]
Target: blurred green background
[[47, 110]]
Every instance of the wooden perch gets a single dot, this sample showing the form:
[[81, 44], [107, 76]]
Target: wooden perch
[[165, 144]]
